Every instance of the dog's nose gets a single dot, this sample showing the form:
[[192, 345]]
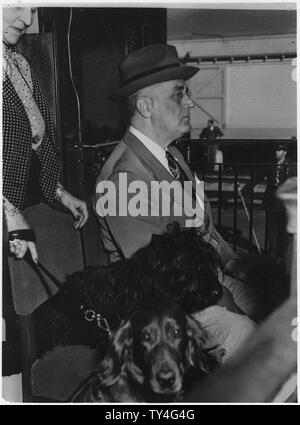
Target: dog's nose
[[166, 378]]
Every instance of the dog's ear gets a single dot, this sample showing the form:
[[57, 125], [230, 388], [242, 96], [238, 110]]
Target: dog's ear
[[195, 353], [123, 345], [135, 371], [117, 353], [195, 331], [122, 340]]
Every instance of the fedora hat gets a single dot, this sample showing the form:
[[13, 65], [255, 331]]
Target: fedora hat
[[149, 65]]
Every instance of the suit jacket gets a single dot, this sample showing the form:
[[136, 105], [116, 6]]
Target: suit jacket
[[123, 235]]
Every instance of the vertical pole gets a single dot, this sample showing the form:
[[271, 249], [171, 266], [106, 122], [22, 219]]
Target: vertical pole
[[267, 215], [235, 206], [220, 173], [250, 247], [188, 154]]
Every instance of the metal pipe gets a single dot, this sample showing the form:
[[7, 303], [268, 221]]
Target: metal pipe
[[235, 207], [248, 216]]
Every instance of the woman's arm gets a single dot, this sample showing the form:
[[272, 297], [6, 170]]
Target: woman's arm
[[16, 223], [77, 207]]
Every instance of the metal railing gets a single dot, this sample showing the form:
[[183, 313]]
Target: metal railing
[[222, 182], [243, 161], [260, 149], [233, 200]]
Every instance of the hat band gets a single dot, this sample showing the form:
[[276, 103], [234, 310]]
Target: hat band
[[152, 71]]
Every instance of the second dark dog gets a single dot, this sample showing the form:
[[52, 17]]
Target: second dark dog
[[153, 357]]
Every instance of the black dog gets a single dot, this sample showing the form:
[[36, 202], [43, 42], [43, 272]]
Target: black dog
[[177, 265], [151, 358]]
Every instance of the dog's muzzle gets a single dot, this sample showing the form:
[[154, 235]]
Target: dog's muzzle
[[166, 379], [166, 375]]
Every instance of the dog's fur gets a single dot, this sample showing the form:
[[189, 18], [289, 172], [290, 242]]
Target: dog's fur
[[151, 358], [177, 265]]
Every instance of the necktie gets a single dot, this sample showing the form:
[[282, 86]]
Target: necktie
[[176, 171], [179, 174]]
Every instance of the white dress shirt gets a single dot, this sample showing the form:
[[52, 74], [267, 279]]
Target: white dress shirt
[[158, 151]]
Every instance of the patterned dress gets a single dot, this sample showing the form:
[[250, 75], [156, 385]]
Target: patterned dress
[[31, 155]]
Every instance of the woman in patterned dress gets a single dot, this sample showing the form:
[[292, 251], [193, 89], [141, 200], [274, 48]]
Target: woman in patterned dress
[[31, 155]]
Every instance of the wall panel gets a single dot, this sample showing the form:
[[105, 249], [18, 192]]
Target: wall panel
[[260, 95]]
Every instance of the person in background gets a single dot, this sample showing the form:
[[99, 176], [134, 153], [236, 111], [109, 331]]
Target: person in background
[[32, 167], [274, 175], [212, 132]]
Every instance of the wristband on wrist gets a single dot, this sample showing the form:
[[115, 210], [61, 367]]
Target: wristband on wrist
[[59, 192], [22, 234], [11, 212], [9, 209]]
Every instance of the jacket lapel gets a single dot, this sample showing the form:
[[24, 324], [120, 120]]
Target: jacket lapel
[[177, 155], [156, 170]]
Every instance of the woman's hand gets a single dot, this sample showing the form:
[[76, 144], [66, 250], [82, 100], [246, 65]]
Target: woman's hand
[[77, 207], [18, 246]]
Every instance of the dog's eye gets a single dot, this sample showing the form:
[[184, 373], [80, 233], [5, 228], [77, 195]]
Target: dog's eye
[[145, 337], [177, 333]]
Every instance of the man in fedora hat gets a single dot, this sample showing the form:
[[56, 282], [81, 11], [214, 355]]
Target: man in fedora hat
[[153, 82]]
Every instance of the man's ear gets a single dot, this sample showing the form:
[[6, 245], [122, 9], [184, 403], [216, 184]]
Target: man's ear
[[144, 106]]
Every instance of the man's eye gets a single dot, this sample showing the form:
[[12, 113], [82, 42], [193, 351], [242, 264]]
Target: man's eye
[[179, 95]]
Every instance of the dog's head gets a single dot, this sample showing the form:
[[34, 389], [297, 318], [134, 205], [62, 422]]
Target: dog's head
[[156, 349], [181, 267], [159, 344]]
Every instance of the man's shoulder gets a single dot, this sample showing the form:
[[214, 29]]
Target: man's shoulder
[[114, 158], [121, 160]]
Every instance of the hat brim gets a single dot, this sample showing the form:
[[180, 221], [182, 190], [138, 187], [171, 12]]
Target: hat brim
[[184, 72]]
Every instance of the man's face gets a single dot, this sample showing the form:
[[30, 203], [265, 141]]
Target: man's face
[[280, 154], [171, 104], [15, 22]]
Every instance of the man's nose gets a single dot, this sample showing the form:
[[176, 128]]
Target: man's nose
[[189, 101]]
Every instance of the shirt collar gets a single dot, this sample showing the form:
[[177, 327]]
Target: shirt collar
[[153, 147]]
